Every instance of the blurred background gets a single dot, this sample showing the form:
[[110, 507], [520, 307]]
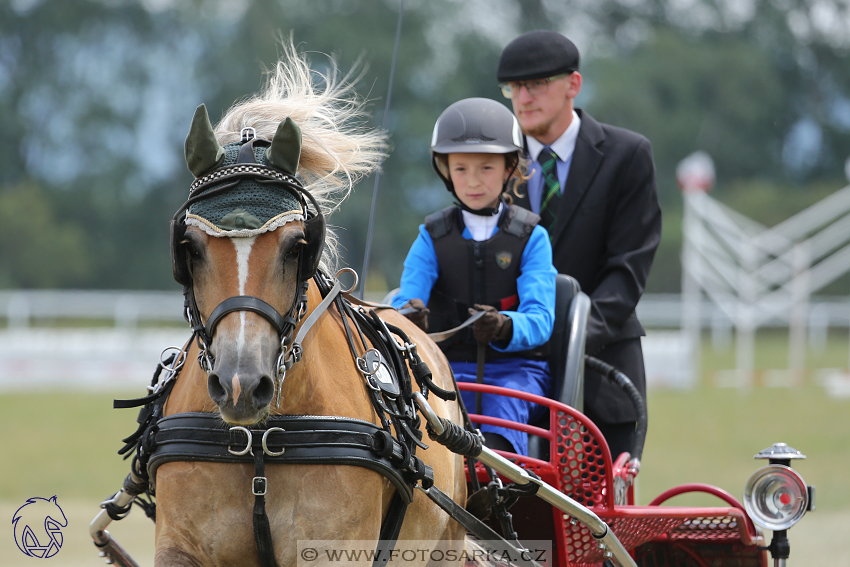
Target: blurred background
[[96, 97]]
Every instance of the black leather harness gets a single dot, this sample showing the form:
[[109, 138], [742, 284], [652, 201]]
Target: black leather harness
[[388, 449], [301, 440]]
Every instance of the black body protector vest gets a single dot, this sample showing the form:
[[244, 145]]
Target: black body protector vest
[[473, 272]]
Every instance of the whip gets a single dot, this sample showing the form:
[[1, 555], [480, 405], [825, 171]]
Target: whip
[[378, 173]]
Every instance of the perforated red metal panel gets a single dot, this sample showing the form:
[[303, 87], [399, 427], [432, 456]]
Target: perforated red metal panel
[[630, 531], [712, 528], [580, 461]]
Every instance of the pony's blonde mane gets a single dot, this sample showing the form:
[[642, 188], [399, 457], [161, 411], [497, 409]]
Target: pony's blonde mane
[[338, 148]]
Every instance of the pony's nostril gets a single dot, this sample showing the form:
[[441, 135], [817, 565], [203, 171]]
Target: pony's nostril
[[264, 392], [216, 390]]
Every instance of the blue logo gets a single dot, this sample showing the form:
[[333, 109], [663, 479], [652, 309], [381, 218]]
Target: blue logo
[[38, 526]]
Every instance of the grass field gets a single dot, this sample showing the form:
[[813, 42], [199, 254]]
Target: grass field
[[65, 443]]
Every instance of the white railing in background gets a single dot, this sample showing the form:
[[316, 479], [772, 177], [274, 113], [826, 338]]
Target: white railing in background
[[124, 308], [98, 339], [127, 309]]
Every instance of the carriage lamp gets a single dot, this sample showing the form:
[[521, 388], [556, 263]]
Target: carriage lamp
[[776, 497]]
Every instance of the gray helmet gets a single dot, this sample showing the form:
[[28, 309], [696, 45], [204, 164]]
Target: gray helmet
[[474, 125]]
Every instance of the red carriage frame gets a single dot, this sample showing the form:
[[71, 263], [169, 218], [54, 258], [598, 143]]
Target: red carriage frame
[[581, 466]]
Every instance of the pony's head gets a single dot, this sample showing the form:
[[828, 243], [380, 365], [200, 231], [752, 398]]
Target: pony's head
[[252, 231]]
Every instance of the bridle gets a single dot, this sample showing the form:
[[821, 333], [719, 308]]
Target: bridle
[[214, 183], [290, 351]]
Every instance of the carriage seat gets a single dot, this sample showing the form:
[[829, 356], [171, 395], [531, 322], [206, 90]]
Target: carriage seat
[[566, 354]]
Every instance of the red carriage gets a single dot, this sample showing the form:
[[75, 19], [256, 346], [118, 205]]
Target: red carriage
[[568, 452]]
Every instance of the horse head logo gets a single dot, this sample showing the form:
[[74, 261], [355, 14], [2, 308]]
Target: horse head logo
[[38, 526]]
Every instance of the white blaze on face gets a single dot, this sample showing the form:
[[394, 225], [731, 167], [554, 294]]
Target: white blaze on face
[[243, 252]]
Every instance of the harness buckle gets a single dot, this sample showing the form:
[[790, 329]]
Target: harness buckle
[[248, 448], [377, 372], [176, 362], [409, 349], [205, 361], [281, 375], [297, 352], [259, 485], [266, 449], [247, 134], [372, 383]]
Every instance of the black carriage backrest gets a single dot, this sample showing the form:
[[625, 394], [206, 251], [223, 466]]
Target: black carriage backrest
[[566, 346], [566, 354]]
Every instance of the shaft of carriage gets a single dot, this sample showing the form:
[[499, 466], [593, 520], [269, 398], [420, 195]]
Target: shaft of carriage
[[110, 549], [608, 542]]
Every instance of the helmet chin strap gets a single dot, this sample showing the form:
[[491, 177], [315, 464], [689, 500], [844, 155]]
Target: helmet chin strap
[[485, 212]]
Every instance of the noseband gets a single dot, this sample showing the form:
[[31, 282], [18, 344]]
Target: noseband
[[290, 351]]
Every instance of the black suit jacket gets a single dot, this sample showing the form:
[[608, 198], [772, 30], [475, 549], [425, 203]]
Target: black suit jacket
[[609, 226]]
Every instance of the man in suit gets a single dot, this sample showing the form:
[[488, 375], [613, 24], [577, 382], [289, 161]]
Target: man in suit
[[594, 187]]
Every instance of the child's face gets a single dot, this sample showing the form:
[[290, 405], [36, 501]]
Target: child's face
[[478, 178]]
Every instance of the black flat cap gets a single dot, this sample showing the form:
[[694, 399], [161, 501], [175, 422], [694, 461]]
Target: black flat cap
[[536, 55]]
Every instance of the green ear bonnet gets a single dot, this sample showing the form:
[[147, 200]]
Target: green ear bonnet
[[244, 184]]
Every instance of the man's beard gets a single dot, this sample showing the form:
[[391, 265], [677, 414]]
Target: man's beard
[[538, 130]]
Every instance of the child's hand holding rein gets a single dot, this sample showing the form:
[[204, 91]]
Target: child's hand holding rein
[[493, 326]]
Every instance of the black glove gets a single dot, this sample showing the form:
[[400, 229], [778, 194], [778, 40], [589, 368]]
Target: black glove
[[493, 326], [419, 316]]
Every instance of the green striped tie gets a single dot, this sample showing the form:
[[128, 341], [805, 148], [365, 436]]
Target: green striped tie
[[551, 199]]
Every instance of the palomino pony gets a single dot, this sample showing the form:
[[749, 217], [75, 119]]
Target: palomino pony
[[245, 252]]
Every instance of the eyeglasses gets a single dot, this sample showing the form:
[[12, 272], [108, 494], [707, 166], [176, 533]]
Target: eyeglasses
[[534, 87]]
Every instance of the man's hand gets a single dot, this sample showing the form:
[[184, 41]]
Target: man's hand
[[492, 326], [419, 315]]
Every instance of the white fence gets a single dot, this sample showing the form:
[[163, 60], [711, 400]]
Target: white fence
[[125, 308], [131, 309], [80, 358], [95, 339]]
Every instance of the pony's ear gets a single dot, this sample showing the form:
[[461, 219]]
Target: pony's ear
[[285, 150], [203, 152]]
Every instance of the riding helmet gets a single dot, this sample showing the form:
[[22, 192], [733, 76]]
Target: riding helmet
[[473, 126]]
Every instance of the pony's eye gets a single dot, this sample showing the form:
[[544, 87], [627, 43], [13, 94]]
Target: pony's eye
[[295, 249], [194, 251]]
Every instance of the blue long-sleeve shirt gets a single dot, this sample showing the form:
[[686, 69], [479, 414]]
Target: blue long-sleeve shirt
[[535, 315]]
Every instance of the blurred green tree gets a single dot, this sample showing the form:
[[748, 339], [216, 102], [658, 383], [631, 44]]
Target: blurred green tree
[[38, 249], [96, 97]]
